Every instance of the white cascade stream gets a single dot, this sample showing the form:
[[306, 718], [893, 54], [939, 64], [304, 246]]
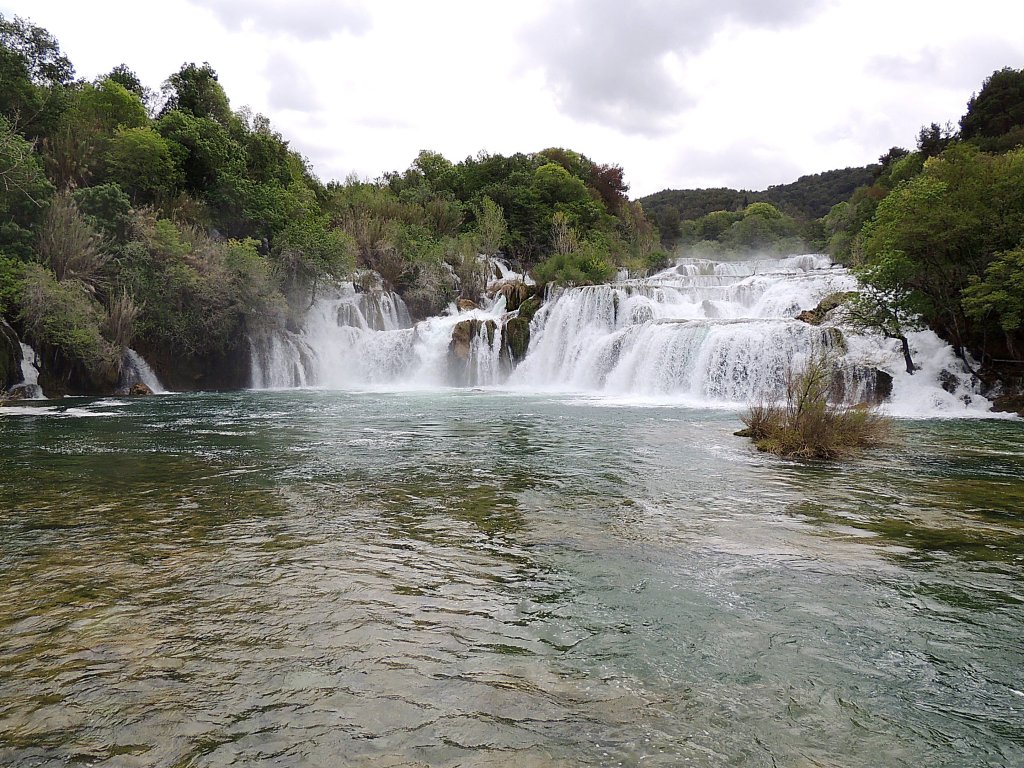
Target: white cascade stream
[[701, 333], [29, 374], [135, 370]]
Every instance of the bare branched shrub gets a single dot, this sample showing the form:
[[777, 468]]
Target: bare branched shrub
[[808, 425], [69, 246]]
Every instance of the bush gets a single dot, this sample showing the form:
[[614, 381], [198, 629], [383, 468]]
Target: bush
[[64, 322], [807, 425]]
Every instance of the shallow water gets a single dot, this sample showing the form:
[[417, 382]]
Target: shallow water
[[465, 578]]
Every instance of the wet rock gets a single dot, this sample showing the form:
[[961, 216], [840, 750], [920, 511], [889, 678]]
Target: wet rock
[[529, 308], [139, 389], [467, 305], [516, 339], [1009, 402], [515, 294], [820, 313], [462, 338], [10, 356], [949, 381]]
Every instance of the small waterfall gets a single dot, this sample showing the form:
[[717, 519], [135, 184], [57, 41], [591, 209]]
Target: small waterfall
[[699, 333], [135, 370], [29, 386]]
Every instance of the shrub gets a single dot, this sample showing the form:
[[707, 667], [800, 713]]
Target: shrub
[[807, 425]]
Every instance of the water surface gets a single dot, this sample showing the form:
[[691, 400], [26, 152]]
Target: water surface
[[464, 578]]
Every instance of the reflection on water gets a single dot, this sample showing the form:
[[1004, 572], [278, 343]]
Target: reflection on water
[[475, 579]]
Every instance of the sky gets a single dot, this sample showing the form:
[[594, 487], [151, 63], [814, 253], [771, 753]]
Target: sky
[[681, 94]]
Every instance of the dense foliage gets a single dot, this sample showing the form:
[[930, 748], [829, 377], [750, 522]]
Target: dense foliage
[[950, 216], [166, 221], [677, 211]]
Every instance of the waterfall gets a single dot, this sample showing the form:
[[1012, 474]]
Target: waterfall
[[135, 370], [700, 333], [29, 385]]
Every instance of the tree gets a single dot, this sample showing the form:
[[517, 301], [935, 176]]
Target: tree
[[141, 162], [44, 62], [491, 229], [1000, 294], [933, 139], [196, 90], [887, 303], [998, 108], [34, 77]]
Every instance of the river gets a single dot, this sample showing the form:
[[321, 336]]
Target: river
[[462, 577]]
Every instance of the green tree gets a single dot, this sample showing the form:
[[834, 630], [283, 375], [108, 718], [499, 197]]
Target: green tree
[[887, 303], [1000, 295], [997, 111], [141, 162], [196, 90]]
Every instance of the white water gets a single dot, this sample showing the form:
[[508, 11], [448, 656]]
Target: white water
[[29, 374], [701, 333], [135, 370]]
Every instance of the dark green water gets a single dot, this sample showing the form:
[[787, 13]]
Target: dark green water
[[473, 579]]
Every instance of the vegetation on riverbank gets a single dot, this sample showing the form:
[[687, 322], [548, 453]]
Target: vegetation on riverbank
[[167, 221], [808, 425]]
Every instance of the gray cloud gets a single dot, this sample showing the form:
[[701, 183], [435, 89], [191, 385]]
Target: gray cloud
[[963, 65], [305, 20], [608, 61], [290, 86], [741, 165]]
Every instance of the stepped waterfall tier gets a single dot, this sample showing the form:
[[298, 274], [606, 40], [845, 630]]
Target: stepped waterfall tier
[[701, 333]]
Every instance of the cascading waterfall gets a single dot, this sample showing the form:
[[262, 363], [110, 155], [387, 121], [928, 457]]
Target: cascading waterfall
[[135, 370], [701, 333]]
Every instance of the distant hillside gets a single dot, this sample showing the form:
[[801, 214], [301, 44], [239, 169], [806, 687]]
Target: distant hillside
[[809, 197]]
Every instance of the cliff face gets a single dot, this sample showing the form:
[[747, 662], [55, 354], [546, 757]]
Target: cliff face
[[10, 356]]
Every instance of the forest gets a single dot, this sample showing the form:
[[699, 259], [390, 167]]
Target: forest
[[168, 222]]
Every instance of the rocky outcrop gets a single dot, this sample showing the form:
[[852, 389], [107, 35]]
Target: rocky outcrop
[[820, 313], [515, 293], [516, 339], [10, 356], [467, 305]]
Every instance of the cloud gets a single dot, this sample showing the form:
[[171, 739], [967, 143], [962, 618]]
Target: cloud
[[738, 165], [306, 20], [619, 64], [961, 65], [290, 86]]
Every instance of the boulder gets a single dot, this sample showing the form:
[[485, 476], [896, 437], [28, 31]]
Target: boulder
[[819, 314], [516, 339], [529, 308], [139, 389], [462, 338], [467, 305], [515, 293]]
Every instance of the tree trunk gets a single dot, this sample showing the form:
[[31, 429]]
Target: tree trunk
[[906, 354]]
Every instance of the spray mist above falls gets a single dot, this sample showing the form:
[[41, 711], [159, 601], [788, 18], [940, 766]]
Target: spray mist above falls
[[701, 333]]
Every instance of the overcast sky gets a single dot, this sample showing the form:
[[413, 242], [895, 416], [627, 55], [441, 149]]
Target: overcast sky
[[692, 93]]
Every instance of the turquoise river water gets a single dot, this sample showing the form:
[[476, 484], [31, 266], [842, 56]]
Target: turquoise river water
[[466, 578]]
